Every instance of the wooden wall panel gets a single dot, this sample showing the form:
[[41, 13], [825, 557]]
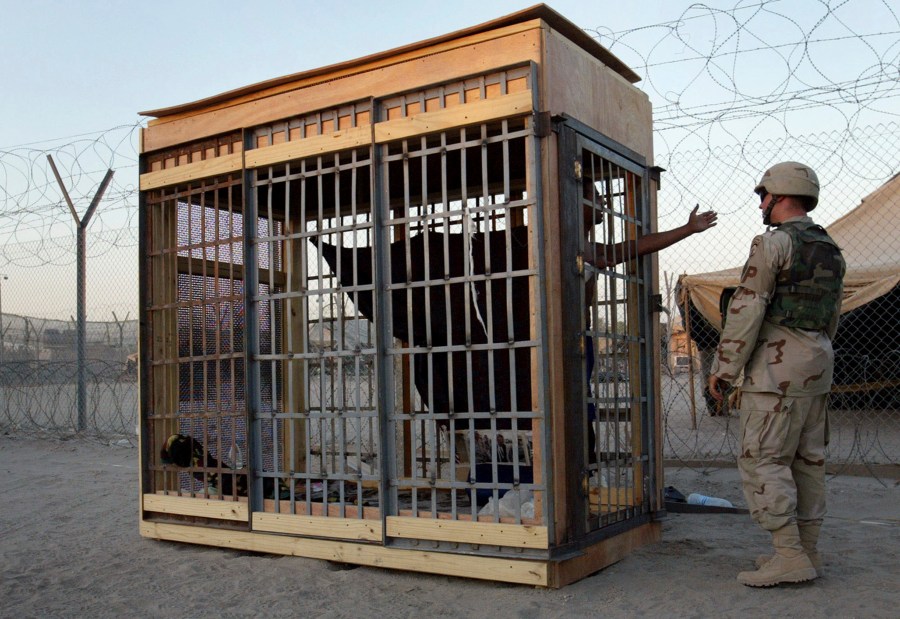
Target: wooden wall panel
[[521, 571], [489, 533], [190, 506]]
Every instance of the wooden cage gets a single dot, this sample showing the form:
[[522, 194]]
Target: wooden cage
[[371, 331]]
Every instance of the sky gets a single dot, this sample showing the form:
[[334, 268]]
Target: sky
[[78, 67], [72, 70]]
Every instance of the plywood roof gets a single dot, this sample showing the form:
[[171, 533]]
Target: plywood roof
[[539, 11]]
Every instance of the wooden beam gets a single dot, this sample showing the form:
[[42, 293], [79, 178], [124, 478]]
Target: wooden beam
[[190, 506], [454, 117], [526, 572], [537, 157], [318, 526], [306, 147], [192, 171], [488, 533], [294, 336], [163, 326], [607, 500], [603, 554]]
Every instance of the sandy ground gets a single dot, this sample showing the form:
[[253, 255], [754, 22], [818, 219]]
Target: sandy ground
[[69, 547]]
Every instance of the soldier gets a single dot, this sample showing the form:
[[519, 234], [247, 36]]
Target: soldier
[[778, 331]]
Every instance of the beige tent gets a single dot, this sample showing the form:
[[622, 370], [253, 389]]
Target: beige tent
[[869, 237], [867, 344]]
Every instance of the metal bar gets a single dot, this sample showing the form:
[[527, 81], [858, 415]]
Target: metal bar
[[384, 362], [251, 331], [81, 287], [571, 172], [272, 254]]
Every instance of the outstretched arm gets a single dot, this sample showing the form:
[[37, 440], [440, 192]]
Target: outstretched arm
[[609, 255]]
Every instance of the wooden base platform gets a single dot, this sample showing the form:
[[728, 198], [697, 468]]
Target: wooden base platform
[[537, 573]]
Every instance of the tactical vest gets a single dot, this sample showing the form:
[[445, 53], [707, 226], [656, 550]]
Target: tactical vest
[[806, 291]]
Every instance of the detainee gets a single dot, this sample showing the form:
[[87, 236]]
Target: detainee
[[778, 330]]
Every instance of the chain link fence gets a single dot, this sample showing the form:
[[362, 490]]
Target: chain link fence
[[859, 200]]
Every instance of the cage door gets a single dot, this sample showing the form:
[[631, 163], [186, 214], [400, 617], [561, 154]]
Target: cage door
[[610, 381]]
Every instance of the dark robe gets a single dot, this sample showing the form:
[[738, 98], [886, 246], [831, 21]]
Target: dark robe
[[443, 392]]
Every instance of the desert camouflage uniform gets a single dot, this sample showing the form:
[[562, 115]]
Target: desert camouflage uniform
[[787, 376]]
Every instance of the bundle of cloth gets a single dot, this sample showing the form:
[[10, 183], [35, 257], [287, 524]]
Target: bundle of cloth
[[186, 451]]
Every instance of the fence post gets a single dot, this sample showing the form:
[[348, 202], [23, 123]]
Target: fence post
[[81, 284], [2, 343]]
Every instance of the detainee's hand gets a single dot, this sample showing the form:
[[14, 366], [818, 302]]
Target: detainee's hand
[[717, 387], [699, 222]]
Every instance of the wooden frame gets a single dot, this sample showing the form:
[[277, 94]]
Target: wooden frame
[[572, 76]]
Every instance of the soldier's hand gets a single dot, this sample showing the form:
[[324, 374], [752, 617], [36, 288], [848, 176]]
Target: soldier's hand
[[698, 222], [717, 387]]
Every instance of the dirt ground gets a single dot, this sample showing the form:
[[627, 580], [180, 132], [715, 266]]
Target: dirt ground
[[69, 547]]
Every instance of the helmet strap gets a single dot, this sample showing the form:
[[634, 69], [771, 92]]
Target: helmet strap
[[767, 214]]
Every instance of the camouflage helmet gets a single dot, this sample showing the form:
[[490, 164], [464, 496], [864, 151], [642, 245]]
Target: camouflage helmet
[[790, 178]]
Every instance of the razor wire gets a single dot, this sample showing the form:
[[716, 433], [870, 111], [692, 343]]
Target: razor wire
[[733, 90]]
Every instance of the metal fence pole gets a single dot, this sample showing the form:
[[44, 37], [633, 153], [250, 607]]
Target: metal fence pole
[[81, 279], [80, 326], [2, 344]]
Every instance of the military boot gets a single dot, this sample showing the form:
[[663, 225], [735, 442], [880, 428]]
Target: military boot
[[788, 564], [809, 538]]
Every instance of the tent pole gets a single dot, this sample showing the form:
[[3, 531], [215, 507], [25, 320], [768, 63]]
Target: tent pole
[[687, 330]]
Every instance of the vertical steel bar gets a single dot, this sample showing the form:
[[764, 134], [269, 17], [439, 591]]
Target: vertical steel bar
[[570, 516], [384, 363], [251, 331], [272, 408]]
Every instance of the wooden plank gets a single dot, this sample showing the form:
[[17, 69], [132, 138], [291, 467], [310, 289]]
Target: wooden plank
[[521, 571], [554, 344], [192, 171], [603, 554], [501, 48], [329, 510], [306, 147], [471, 113], [537, 158], [464, 517], [489, 533], [614, 497], [190, 506], [635, 351], [163, 325], [318, 526], [294, 334]]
